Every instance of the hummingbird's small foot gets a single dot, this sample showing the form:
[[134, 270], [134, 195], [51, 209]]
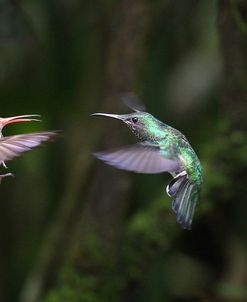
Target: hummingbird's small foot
[[3, 164], [183, 173], [176, 183], [5, 175]]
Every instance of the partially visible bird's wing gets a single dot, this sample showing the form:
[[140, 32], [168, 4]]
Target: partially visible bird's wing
[[141, 158], [13, 146], [186, 195]]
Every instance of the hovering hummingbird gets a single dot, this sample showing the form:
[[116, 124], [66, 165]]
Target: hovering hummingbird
[[162, 149], [13, 146]]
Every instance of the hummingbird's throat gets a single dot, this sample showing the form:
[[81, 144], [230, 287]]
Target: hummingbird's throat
[[137, 133]]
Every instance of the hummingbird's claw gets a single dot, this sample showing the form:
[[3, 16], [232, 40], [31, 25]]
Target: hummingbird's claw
[[6, 175], [3, 164]]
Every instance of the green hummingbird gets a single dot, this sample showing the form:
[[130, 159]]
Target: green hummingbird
[[162, 149]]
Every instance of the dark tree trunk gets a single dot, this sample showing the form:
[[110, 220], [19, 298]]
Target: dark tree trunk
[[95, 199], [232, 24]]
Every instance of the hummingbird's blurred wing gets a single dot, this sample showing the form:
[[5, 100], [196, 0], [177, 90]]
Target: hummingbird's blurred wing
[[186, 195], [13, 146], [132, 101], [139, 158]]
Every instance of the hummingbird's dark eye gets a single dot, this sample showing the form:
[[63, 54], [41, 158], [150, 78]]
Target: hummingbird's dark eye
[[134, 119]]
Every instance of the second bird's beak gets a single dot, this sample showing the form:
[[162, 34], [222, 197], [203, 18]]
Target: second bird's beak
[[18, 119]]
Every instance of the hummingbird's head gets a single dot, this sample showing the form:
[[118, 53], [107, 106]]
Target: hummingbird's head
[[142, 124]]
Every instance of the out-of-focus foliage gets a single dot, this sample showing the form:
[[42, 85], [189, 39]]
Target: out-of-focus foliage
[[73, 229]]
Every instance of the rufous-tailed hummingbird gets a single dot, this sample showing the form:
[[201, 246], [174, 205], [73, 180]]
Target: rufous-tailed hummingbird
[[162, 149], [13, 146]]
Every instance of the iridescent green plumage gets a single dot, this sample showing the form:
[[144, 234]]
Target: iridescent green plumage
[[162, 149]]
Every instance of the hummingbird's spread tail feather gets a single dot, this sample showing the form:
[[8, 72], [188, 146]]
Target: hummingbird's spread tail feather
[[185, 195]]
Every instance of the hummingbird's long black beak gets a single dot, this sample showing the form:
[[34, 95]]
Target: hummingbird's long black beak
[[116, 116]]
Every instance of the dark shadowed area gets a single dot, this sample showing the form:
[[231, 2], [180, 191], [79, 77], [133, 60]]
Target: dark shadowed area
[[73, 229]]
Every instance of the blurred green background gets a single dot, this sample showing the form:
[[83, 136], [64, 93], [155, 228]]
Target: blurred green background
[[73, 229]]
